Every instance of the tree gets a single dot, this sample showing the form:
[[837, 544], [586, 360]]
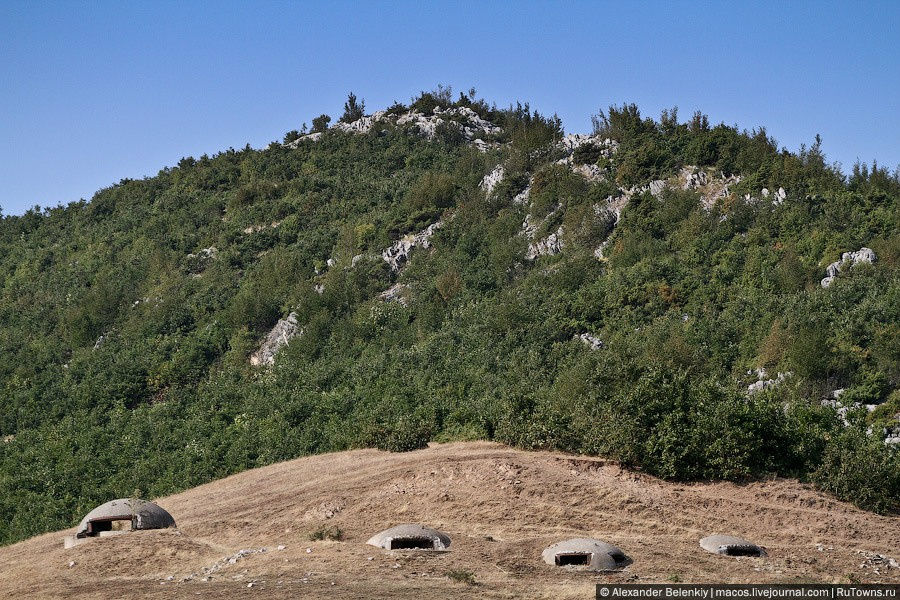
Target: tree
[[320, 123], [353, 110]]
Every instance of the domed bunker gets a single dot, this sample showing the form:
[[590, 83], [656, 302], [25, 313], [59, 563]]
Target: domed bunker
[[410, 537], [590, 554], [730, 545], [122, 514]]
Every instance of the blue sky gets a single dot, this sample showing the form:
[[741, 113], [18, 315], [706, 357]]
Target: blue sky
[[93, 92]]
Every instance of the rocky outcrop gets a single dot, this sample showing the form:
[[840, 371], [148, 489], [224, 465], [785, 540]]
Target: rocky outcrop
[[251, 229], [397, 254], [197, 263], [550, 245], [491, 180], [573, 141], [398, 293], [589, 340], [469, 123], [848, 260], [763, 383], [279, 337]]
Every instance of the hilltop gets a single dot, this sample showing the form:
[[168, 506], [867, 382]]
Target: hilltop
[[501, 508], [687, 299]]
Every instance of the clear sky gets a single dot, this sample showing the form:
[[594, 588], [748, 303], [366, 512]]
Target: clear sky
[[93, 92]]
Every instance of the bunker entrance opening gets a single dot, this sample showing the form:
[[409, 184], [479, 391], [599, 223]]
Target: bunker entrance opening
[[97, 526]]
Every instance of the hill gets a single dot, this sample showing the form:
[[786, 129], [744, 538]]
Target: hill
[[501, 508], [687, 299]]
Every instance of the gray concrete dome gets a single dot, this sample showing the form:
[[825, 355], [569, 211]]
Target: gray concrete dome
[[730, 545], [141, 514], [585, 553], [410, 537]]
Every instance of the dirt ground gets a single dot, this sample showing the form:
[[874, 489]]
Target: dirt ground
[[500, 506]]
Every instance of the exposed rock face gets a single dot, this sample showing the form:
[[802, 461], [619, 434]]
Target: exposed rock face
[[591, 341], [573, 141], [849, 260], [592, 173], [693, 178], [524, 196], [469, 123], [834, 401], [892, 435], [764, 383], [275, 340], [396, 293], [491, 180], [363, 125], [550, 245], [657, 187], [711, 188], [254, 228], [397, 254]]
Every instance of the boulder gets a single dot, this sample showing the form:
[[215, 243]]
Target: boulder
[[848, 260]]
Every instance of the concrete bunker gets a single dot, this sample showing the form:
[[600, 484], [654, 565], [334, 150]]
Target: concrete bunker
[[410, 537], [729, 545], [121, 515], [585, 553]]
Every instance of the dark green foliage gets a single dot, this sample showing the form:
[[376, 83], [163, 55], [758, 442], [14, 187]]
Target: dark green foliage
[[333, 534], [320, 124], [685, 300], [860, 469], [462, 576], [353, 109]]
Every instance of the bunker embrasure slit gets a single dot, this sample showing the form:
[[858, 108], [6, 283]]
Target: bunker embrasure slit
[[410, 537], [573, 560], [736, 550], [585, 553], [412, 543]]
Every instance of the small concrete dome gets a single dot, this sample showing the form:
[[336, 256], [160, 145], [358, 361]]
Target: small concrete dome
[[410, 537], [590, 554], [141, 514], [730, 545]]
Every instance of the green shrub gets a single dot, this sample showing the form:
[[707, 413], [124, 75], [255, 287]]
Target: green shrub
[[861, 469]]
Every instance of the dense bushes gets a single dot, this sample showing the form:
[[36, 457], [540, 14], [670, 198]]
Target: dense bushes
[[688, 304]]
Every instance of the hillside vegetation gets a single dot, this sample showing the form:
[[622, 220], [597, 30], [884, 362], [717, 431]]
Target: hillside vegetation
[[563, 302]]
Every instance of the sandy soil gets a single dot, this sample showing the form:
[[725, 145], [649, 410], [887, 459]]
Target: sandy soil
[[500, 506]]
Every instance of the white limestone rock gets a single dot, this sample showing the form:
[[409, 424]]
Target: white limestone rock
[[657, 187], [848, 260], [396, 293], [591, 341], [491, 180], [763, 383], [279, 337], [397, 255], [550, 245]]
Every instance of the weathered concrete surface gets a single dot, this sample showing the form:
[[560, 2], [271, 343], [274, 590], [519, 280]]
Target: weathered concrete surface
[[600, 556], [386, 538]]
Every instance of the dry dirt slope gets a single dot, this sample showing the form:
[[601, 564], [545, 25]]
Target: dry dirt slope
[[500, 506]]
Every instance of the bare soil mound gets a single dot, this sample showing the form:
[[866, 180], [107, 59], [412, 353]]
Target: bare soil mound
[[249, 535]]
